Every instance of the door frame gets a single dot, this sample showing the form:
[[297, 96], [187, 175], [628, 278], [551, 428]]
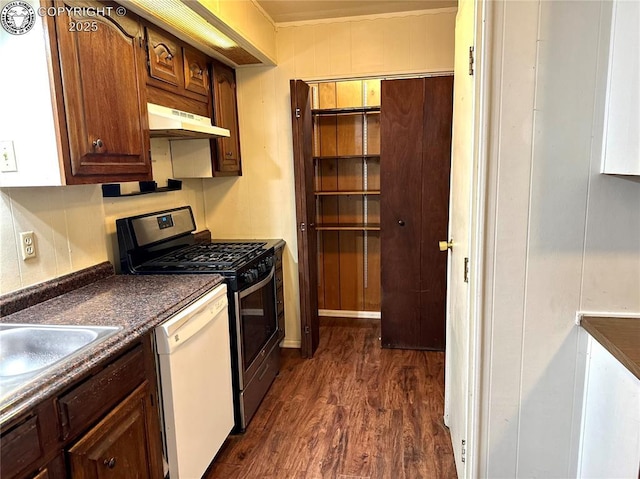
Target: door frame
[[479, 211]]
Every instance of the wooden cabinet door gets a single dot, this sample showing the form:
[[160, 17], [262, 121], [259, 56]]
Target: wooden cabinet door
[[196, 72], [122, 445], [306, 215], [165, 58], [104, 98], [400, 220], [436, 169], [227, 161], [415, 158]]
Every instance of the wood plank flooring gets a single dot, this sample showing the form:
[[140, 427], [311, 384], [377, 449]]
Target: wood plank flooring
[[354, 411]]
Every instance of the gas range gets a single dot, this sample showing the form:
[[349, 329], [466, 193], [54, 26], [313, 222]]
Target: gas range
[[162, 243]]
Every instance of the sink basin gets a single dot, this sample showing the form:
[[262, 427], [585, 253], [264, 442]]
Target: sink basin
[[27, 350]]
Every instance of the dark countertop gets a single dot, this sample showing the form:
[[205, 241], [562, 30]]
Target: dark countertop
[[619, 336], [137, 304]]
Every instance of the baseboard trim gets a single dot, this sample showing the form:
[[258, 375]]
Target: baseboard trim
[[291, 344], [339, 313]]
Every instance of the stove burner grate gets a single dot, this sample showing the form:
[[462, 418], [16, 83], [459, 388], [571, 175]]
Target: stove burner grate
[[212, 255]]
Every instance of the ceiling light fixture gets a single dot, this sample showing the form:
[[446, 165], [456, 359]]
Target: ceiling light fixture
[[190, 20]]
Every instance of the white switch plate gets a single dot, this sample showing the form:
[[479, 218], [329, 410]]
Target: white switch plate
[[7, 157], [28, 245]]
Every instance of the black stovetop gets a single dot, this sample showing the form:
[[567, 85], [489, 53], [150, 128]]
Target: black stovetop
[[219, 256]]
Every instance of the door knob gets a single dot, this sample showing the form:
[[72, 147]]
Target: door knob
[[445, 245]]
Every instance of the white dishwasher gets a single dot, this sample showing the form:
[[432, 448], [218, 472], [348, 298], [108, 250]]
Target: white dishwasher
[[194, 362]]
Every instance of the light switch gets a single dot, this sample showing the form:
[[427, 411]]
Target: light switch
[[7, 157]]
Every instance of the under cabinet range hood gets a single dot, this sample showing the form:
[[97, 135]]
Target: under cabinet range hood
[[175, 124]]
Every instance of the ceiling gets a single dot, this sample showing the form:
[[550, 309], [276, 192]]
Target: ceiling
[[299, 10]]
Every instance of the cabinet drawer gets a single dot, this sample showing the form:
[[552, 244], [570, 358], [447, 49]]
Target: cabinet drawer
[[21, 447], [98, 394]]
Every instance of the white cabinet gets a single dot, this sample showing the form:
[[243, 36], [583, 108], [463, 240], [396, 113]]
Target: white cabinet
[[610, 435], [621, 145], [27, 122]]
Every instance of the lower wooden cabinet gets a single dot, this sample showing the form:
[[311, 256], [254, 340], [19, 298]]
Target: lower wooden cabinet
[[55, 469], [105, 425], [122, 445]]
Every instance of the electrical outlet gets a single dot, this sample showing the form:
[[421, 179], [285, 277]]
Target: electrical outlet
[[7, 157], [28, 245]]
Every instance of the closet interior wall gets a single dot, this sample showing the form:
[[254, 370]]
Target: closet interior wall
[[346, 155]]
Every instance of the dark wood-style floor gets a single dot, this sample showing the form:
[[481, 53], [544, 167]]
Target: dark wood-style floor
[[354, 411]]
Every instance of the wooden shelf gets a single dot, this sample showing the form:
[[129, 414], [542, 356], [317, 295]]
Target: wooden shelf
[[346, 193], [112, 190], [347, 157], [345, 111], [348, 227]]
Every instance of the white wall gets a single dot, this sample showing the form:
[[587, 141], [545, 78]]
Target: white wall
[[69, 232], [562, 237], [74, 228], [261, 203]]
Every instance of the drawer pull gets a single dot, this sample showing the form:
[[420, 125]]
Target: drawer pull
[[110, 463], [264, 371]]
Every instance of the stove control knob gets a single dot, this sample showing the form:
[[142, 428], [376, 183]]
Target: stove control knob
[[250, 276], [262, 266]]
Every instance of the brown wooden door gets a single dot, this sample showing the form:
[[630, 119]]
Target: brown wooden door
[[306, 215], [226, 116], [122, 445], [103, 75], [415, 150]]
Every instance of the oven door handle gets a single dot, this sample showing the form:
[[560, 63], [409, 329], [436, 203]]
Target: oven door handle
[[257, 286]]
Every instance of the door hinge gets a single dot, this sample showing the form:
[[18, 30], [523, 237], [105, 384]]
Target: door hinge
[[463, 456], [307, 330], [298, 113], [466, 270], [472, 60]]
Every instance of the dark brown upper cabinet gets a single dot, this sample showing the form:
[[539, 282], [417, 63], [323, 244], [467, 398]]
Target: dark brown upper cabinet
[[226, 151], [177, 75], [165, 58], [103, 108], [196, 72]]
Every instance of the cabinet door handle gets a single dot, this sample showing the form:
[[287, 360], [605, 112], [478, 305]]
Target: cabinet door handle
[[98, 143], [110, 463], [401, 222], [229, 153]]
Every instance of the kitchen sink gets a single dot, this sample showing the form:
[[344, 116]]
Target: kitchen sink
[[28, 350]]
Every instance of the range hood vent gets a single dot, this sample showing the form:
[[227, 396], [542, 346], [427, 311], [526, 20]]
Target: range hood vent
[[180, 125]]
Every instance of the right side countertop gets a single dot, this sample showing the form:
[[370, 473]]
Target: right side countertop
[[620, 336]]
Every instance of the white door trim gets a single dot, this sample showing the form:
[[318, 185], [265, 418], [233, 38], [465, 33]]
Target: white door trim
[[484, 12]]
